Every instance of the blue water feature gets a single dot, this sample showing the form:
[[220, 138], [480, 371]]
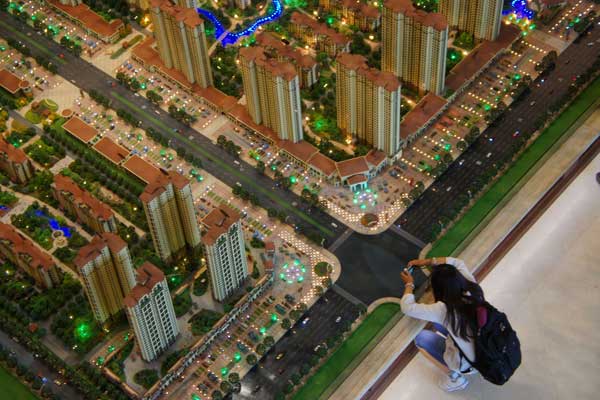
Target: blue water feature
[[54, 225], [232, 37], [520, 8]]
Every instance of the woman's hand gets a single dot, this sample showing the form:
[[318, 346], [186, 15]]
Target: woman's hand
[[407, 277]]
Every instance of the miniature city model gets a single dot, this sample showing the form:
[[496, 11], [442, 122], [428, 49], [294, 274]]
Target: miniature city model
[[209, 198]]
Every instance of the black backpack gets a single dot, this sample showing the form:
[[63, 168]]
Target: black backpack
[[497, 348]]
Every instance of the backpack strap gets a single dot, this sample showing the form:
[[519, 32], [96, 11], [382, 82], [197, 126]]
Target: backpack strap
[[462, 353], [482, 316]]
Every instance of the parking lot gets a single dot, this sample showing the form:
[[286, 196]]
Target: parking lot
[[297, 347]]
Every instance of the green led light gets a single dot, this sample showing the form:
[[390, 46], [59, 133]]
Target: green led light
[[274, 317], [263, 330], [224, 371], [237, 357], [83, 331], [293, 179]]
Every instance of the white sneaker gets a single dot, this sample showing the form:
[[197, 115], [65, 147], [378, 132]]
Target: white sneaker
[[469, 371], [453, 382]]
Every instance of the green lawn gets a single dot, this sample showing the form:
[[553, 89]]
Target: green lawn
[[33, 117], [347, 352], [474, 216], [12, 388]]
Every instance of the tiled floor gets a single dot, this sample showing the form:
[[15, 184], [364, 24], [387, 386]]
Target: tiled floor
[[549, 285]]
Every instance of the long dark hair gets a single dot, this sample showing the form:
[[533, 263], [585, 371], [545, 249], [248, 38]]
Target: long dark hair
[[461, 297]]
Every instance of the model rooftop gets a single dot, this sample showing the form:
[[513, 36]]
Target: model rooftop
[[218, 222], [406, 7], [148, 276]]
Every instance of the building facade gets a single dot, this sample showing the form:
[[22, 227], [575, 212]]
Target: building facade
[[481, 18], [365, 17], [272, 92], [22, 252], [169, 208], [150, 312], [15, 163], [318, 35], [414, 45], [368, 104], [181, 41], [306, 65], [80, 203], [225, 253], [107, 272]]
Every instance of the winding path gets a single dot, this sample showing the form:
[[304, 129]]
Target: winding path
[[228, 37]]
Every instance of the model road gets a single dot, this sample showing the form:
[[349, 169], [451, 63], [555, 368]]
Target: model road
[[37, 367], [432, 205], [215, 160]]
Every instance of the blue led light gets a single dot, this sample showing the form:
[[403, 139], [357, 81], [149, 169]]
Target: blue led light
[[232, 37], [520, 8]]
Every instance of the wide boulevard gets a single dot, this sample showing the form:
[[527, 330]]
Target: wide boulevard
[[215, 160]]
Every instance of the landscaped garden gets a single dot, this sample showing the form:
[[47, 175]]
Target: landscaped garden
[[182, 303], [19, 137], [146, 377], [7, 199], [203, 321], [76, 327], [116, 364], [44, 304], [201, 285], [453, 57], [40, 110], [44, 153], [35, 225]]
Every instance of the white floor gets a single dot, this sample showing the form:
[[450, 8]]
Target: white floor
[[549, 285]]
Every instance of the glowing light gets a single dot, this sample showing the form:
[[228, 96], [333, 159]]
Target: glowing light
[[292, 273], [224, 371], [276, 10], [83, 331]]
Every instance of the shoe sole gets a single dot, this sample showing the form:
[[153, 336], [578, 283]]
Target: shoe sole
[[457, 388]]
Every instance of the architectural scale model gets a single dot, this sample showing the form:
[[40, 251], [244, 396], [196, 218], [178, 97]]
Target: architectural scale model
[[204, 199]]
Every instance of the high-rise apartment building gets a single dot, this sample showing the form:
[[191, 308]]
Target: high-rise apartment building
[[368, 103], [272, 92], [150, 312], [107, 271], [181, 40], [481, 18], [306, 65], [224, 250], [15, 163], [80, 203], [169, 209], [414, 45]]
